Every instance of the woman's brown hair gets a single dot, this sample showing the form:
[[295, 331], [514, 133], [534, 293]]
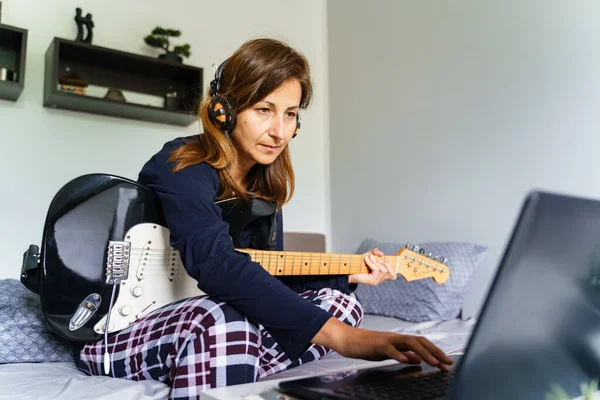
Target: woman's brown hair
[[257, 68]]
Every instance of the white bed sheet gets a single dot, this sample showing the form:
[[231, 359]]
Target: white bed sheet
[[29, 381], [62, 380]]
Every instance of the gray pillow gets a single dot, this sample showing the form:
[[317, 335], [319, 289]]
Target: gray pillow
[[424, 299], [24, 335]]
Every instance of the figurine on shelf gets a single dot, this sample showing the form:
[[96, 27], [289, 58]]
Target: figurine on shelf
[[73, 83], [115, 95], [81, 22], [160, 38]]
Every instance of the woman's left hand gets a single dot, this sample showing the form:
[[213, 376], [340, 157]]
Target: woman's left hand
[[380, 269]]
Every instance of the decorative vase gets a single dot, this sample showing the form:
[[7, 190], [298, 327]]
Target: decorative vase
[[173, 102], [171, 57]]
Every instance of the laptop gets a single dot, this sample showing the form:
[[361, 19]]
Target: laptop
[[539, 327]]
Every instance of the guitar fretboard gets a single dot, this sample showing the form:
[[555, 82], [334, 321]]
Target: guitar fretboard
[[301, 263]]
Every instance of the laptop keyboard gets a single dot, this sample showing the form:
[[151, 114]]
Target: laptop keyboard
[[423, 386]]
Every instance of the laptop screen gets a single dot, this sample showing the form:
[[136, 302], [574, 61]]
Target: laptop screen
[[539, 328], [540, 325]]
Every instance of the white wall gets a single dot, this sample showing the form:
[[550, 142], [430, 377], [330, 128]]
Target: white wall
[[41, 149], [444, 114]]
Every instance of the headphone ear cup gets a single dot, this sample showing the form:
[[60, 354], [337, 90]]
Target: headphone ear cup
[[297, 126], [220, 114], [232, 118]]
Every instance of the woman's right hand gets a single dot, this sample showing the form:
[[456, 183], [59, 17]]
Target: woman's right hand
[[376, 346]]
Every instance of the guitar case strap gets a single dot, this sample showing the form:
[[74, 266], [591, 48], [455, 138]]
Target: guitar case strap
[[30, 269], [266, 233], [260, 214]]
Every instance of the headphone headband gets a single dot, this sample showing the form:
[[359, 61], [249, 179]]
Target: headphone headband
[[215, 84]]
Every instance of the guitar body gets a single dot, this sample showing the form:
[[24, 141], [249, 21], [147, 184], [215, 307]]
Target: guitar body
[[84, 215], [156, 278]]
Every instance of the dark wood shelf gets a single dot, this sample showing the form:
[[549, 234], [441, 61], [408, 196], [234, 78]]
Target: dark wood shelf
[[13, 51], [108, 68]]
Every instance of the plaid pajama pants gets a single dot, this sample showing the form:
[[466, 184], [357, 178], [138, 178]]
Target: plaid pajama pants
[[197, 344]]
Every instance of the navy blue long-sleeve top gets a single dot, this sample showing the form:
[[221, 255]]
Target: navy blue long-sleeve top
[[202, 238]]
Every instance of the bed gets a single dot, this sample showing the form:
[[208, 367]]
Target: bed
[[62, 380], [418, 307]]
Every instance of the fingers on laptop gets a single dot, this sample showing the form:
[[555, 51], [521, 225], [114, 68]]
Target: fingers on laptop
[[422, 349], [412, 358]]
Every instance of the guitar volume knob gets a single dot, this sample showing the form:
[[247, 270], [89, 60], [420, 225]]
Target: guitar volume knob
[[137, 290], [125, 310]]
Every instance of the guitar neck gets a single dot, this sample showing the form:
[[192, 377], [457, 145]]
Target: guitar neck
[[280, 263]]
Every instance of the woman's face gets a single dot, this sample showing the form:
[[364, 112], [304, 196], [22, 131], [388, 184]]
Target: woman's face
[[263, 130]]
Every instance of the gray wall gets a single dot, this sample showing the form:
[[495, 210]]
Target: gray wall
[[444, 114]]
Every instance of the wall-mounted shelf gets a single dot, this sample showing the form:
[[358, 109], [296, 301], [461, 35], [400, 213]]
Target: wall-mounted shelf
[[145, 78], [13, 51]]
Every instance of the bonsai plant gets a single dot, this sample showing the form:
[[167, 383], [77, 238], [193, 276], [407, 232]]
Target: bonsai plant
[[160, 38]]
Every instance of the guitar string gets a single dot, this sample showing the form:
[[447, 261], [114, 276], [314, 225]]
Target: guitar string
[[163, 258], [167, 261], [352, 258], [163, 263], [390, 259], [271, 254]]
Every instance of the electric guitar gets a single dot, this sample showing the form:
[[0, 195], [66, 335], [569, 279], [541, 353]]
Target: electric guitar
[[105, 248]]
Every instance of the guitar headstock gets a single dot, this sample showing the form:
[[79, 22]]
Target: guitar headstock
[[418, 263]]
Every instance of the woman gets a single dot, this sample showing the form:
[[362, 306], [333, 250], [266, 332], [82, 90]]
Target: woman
[[250, 324]]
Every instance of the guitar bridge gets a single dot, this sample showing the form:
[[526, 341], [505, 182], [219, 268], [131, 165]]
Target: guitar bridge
[[117, 263]]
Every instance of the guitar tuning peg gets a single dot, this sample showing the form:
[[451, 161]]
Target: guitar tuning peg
[[415, 248], [422, 251], [443, 260], [429, 255], [407, 246]]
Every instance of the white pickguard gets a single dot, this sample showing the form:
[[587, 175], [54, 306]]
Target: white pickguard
[[156, 278]]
